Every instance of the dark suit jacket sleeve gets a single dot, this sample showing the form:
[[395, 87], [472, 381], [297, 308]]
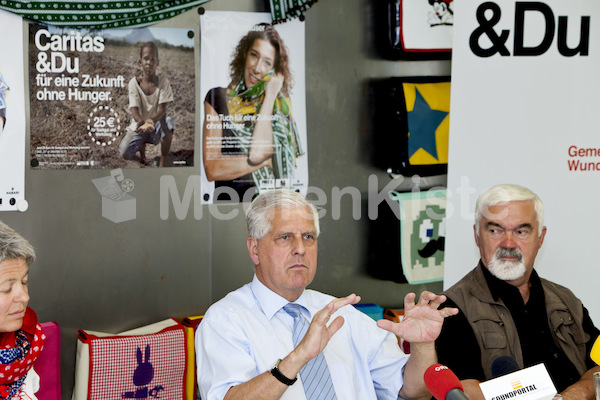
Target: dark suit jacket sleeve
[[457, 347]]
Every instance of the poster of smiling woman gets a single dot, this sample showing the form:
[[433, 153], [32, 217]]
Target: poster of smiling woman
[[12, 114], [253, 106]]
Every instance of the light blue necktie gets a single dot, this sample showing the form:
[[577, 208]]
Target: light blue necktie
[[315, 374]]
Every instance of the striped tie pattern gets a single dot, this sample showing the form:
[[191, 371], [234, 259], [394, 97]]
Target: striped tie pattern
[[315, 375]]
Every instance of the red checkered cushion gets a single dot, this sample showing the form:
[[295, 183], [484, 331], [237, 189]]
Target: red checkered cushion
[[144, 366]]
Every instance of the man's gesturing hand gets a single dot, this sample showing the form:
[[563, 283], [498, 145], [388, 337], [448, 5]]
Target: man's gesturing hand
[[319, 333], [422, 321]]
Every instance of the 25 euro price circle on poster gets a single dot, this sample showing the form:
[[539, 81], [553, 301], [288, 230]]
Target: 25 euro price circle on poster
[[103, 125]]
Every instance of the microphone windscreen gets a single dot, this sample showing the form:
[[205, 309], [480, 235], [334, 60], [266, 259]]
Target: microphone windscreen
[[504, 365], [595, 353], [439, 380]]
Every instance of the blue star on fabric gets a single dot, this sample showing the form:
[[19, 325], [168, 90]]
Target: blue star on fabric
[[422, 124]]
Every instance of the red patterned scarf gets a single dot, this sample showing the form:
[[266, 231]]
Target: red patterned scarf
[[18, 352]]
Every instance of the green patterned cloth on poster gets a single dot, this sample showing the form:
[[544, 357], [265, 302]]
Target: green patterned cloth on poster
[[286, 140], [99, 14], [422, 234], [283, 10]]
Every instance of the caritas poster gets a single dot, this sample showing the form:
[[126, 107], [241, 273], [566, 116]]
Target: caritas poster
[[253, 109], [12, 114], [118, 98]]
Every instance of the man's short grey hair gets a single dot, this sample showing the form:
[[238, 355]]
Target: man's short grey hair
[[505, 193], [14, 246], [258, 214]]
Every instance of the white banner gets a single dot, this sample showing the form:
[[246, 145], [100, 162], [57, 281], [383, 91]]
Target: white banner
[[12, 110], [524, 108]]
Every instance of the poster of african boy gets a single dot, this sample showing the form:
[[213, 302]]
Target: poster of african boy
[[12, 115], [422, 234], [253, 106], [116, 98]]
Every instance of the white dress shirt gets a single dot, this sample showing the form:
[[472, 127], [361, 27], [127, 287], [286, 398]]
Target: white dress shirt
[[245, 333]]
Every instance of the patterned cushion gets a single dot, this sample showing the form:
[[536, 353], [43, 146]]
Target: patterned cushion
[[148, 362]]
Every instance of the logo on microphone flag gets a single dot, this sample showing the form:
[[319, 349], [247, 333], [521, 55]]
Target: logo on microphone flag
[[516, 384]]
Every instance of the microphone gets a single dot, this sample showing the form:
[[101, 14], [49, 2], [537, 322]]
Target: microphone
[[443, 383], [595, 352], [504, 365]]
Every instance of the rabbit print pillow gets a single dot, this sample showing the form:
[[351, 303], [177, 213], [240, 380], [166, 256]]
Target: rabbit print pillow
[[145, 363]]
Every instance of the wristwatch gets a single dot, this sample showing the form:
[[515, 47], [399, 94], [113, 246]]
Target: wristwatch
[[280, 377]]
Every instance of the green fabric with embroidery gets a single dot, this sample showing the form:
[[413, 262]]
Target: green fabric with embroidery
[[99, 14], [85, 14], [284, 10]]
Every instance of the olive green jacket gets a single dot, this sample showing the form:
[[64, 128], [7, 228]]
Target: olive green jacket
[[495, 329]]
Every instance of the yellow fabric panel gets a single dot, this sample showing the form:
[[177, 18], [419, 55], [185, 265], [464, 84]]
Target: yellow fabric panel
[[437, 96], [190, 379]]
